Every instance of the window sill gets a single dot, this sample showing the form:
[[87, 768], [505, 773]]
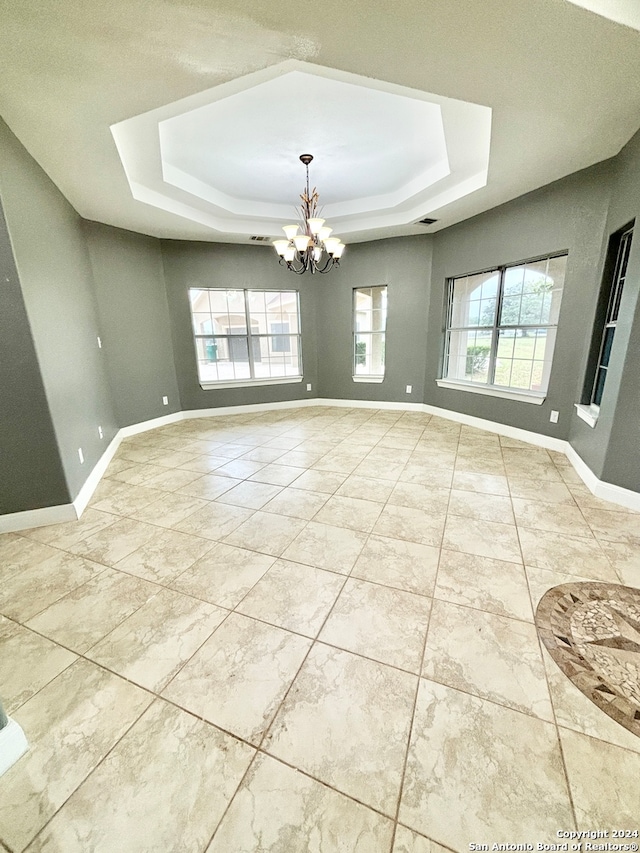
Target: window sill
[[250, 383], [368, 378], [534, 397], [589, 414]]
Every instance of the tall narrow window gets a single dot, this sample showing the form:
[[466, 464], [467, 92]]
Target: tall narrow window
[[501, 327], [246, 336], [607, 319], [369, 330]]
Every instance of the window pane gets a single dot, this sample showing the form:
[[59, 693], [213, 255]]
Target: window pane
[[468, 357], [599, 388], [524, 358], [199, 299], [473, 300], [609, 332], [369, 354]]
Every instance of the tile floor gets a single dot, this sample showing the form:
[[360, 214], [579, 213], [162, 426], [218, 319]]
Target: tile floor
[[310, 631]]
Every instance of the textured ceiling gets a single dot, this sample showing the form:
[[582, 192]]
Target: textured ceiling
[[562, 83]]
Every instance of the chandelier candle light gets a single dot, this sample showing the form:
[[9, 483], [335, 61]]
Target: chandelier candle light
[[312, 249]]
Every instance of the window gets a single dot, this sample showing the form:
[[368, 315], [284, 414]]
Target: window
[[607, 315], [246, 336], [369, 325], [501, 326]]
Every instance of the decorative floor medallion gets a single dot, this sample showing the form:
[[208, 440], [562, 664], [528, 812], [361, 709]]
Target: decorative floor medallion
[[592, 631]]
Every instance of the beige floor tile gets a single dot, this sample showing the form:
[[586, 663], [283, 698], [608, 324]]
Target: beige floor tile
[[505, 767], [85, 615], [552, 517], [279, 809], [587, 500], [239, 677], [170, 510], [64, 535], [415, 495], [203, 464], [413, 525], [561, 553], [196, 767], [249, 494], [541, 580], [482, 538], [614, 526], [480, 465], [488, 484], [151, 645], [388, 454], [346, 722], [276, 475], [366, 488], [354, 513], [300, 458], [165, 557], [481, 507], [326, 482], [171, 479], [296, 503], [604, 783], [526, 470], [625, 559], [339, 463], [18, 553], [408, 841], [385, 624], [435, 457], [239, 468], [575, 711], [121, 498], [136, 473], [26, 593], [497, 586], [293, 596], [224, 575], [115, 542], [266, 532], [173, 458], [209, 486], [396, 563], [27, 662], [526, 455], [326, 547], [541, 490], [491, 656], [214, 521], [424, 474], [379, 469], [71, 723]]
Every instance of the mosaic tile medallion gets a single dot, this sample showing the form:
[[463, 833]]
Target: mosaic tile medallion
[[592, 631]]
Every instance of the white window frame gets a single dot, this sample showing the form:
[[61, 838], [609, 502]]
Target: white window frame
[[382, 333], [251, 337], [490, 388]]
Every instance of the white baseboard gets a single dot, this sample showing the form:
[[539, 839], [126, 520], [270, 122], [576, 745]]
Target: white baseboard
[[13, 745], [71, 512], [43, 517]]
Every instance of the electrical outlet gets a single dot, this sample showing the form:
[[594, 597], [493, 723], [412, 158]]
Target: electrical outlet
[[553, 417], [308, 386], [81, 456], [409, 387], [99, 342], [165, 401], [100, 432]]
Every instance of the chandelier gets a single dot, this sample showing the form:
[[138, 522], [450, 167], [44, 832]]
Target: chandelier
[[309, 246]]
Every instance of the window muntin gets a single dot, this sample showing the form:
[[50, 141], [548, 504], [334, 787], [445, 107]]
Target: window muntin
[[608, 328], [501, 325], [369, 331], [246, 335]]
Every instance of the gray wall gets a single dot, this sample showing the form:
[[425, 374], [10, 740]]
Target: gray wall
[[569, 214], [612, 448], [57, 286], [31, 474], [134, 320], [404, 265], [216, 265]]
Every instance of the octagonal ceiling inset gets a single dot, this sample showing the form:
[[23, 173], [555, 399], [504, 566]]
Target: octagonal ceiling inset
[[384, 155]]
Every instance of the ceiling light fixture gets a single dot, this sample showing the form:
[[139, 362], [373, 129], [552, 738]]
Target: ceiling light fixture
[[309, 247]]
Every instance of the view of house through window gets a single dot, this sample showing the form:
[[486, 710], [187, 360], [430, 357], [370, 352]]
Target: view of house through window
[[369, 325], [246, 335], [501, 328]]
